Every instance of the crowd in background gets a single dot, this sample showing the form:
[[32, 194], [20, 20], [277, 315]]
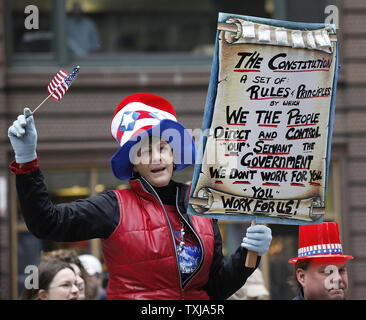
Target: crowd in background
[[65, 275]]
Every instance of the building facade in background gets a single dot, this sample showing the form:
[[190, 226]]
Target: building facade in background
[[162, 47]]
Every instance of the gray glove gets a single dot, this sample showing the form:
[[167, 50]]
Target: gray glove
[[23, 137], [258, 238]]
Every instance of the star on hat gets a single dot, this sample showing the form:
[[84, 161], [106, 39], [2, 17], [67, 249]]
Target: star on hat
[[128, 120]]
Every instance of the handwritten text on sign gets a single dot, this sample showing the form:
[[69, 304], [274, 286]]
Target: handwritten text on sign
[[269, 130]]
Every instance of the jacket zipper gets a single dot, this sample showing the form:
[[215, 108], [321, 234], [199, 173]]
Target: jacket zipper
[[199, 241], [171, 234]]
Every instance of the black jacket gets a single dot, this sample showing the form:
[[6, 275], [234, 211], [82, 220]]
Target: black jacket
[[98, 216]]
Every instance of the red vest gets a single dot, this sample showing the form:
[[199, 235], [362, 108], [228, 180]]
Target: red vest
[[140, 254]]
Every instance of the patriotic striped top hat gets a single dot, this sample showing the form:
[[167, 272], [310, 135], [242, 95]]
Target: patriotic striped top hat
[[144, 114], [320, 241]]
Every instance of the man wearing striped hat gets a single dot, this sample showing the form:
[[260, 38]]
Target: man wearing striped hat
[[320, 267]]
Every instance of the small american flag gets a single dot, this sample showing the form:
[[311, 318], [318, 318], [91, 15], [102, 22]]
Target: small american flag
[[61, 82]]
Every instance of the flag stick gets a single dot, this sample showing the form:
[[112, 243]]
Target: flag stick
[[40, 105]]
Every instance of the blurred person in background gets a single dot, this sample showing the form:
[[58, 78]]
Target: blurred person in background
[[94, 271], [83, 35], [253, 289], [56, 281], [71, 257]]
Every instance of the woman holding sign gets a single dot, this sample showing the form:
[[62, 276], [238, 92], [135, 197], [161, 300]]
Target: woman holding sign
[[152, 248]]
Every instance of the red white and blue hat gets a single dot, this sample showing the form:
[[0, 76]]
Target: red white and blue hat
[[142, 114], [320, 241]]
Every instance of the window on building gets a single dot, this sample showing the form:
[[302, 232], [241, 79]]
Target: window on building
[[133, 32], [32, 30], [312, 11]]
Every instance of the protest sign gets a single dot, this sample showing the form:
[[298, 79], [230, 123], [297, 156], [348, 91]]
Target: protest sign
[[265, 148]]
